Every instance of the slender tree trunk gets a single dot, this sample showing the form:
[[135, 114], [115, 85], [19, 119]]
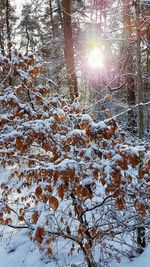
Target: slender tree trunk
[[139, 72], [130, 83], [28, 39], [141, 239], [8, 27], [2, 43], [147, 87], [51, 16], [59, 12], [131, 88], [69, 53], [148, 49], [88, 257], [9, 45]]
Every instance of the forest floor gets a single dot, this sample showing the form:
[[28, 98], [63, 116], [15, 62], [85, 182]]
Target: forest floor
[[16, 250]]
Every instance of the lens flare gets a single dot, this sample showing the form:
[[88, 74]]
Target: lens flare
[[95, 58]]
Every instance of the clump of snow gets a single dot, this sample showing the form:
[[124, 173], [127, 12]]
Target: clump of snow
[[24, 75], [15, 60], [76, 132], [99, 125], [67, 163], [86, 118]]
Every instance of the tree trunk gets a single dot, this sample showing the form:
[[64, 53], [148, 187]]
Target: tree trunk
[[130, 82], [8, 35], [148, 50], [59, 12], [2, 43], [51, 16], [139, 72], [8, 27], [69, 53], [141, 239]]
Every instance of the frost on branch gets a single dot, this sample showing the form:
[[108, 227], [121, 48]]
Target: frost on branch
[[71, 178]]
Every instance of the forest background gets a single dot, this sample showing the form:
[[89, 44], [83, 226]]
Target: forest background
[[75, 128]]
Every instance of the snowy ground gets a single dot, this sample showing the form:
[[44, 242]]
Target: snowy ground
[[17, 251]]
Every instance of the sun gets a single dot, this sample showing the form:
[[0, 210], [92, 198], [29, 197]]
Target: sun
[[95, 58]]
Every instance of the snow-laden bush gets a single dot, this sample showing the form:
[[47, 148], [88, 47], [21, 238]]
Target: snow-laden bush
[[69, 179]]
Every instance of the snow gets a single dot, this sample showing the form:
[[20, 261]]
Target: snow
[[15, 60], [17, 250], [23, 74], [39, 125], [142, 260], [66, 163], [75, 132], [86, 118], [99, 125]]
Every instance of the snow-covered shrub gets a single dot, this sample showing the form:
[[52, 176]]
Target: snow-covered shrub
[[68, 177]]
